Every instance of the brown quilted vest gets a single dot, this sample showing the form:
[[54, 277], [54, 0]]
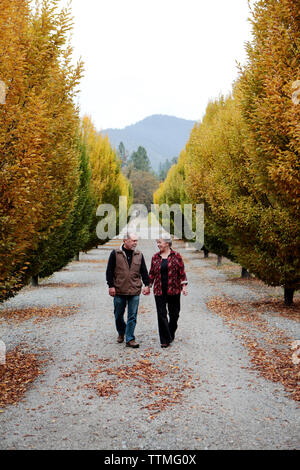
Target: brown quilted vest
[[128, 281]]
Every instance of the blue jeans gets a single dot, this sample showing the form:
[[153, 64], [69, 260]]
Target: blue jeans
[[120, 302]]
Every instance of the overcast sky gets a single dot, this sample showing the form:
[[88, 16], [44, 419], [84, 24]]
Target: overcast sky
[[145, 57]]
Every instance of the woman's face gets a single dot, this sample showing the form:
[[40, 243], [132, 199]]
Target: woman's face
[[162, 245]]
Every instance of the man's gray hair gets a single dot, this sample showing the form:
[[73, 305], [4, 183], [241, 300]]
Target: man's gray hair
[[128, 235]]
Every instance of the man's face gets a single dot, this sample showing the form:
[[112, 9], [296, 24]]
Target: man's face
[[131, 243]]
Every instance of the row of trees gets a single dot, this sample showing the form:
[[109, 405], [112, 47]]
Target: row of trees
[[242, 159], [139, 172], [139, 160], [55, 168]]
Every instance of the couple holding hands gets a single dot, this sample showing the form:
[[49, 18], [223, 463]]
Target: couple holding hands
[[126, 272]]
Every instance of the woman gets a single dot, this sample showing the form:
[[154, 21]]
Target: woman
[[168, 276]]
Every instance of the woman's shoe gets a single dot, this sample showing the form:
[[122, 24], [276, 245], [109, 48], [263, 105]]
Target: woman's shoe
[[165, 345]]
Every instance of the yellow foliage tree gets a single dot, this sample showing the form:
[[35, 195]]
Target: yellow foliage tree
[[239, 218], [243, 158], [108, 182], [266, 88], [173, 191], [38, 125]]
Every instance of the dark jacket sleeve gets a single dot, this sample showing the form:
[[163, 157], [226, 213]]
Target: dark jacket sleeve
[[144, 272], [110, 270]]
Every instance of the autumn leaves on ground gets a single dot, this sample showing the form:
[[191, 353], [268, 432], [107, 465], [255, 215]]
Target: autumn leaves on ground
[[268, 347], [22, 368], [241, 162]]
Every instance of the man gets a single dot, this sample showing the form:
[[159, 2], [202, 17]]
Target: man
[[126, 269]]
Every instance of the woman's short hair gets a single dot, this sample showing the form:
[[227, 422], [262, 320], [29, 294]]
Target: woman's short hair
[[166, 239]]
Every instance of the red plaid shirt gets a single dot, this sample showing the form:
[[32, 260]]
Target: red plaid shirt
[[176, 273]]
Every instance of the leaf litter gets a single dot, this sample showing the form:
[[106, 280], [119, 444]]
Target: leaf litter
[[162, 385], [17, 374], [39, 313], [269, 347]]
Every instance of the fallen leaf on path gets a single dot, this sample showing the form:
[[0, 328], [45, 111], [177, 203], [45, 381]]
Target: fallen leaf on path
[[269, 347], [20, 370], [39, 313]]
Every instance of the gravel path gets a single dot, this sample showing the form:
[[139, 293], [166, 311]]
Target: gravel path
[[208, 396]]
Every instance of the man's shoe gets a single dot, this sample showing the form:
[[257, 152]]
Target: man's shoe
[[120, 338], [132, 344]]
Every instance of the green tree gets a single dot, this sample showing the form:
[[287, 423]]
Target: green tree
[[164, 167], [140, 160], [123, 154]]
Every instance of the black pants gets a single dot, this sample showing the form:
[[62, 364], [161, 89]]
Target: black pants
[[167, 304]]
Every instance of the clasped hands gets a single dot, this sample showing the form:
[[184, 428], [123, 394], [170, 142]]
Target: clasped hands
[[112, 291], [146, 290]]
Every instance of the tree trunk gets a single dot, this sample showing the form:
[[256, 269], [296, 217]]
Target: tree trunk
[[76, 257], [288, 296], [205, 252], [35, 281], [245, 274], [219, 262]]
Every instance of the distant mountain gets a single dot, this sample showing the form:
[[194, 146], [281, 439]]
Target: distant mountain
[[162, 136]]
